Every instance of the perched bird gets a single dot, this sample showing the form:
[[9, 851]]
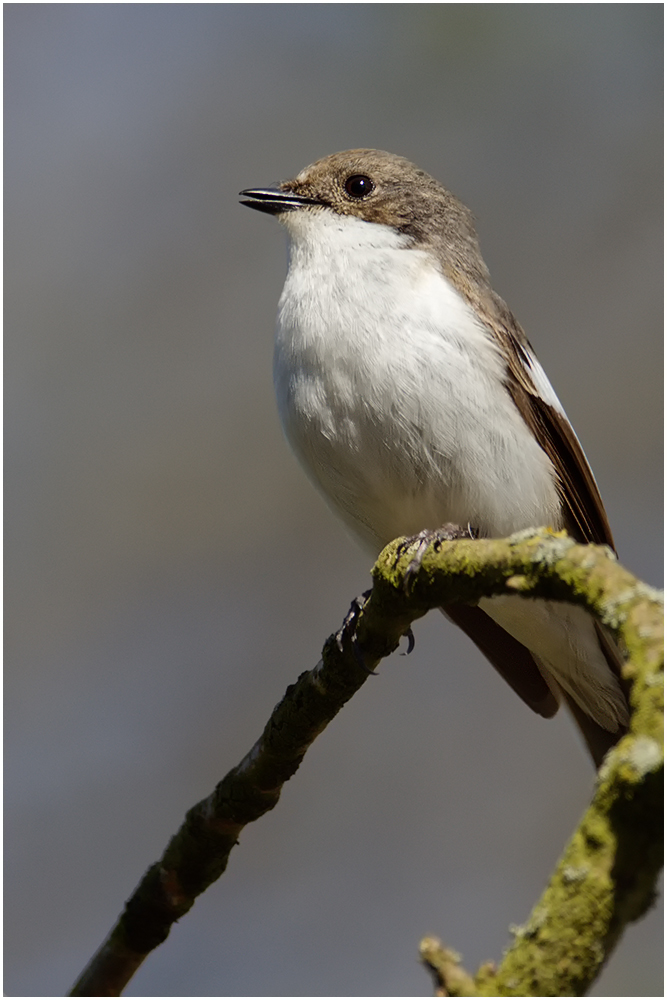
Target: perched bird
[[412, 398]]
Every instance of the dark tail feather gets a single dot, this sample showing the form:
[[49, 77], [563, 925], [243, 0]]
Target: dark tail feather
[[514, 662], [517, 666], [598, 740]]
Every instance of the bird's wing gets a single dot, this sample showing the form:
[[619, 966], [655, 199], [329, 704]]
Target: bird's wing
[[584, 512]]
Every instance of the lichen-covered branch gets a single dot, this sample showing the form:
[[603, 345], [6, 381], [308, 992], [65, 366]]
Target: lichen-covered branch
[[608, 874], [449, 977], [538, 564]]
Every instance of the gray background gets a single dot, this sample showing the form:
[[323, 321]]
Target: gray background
[[170, 570]]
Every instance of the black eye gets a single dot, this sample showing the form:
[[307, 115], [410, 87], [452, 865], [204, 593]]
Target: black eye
[[358, 186]]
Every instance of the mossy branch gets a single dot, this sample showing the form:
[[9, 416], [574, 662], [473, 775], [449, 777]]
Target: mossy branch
[[607, 876]]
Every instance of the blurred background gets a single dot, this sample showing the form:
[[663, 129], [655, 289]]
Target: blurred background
[[169, 569]]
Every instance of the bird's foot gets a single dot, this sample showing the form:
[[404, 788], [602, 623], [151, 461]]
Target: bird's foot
[[348, 630], [421, 541]]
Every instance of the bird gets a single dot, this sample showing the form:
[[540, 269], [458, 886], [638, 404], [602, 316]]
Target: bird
[[413, 399]]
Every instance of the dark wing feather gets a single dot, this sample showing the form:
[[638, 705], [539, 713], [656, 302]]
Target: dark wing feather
[[583, 510], [585, 515], [597, 739]]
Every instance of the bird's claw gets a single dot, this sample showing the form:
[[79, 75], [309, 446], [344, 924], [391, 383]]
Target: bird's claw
[[410, 636], [349, 630], [429, 536]]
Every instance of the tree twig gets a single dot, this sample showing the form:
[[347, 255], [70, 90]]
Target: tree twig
[[449, 976], [535, 564]]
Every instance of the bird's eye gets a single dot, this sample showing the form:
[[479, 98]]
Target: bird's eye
[[359, 186]]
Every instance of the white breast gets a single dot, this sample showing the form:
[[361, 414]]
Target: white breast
[[391, 391]]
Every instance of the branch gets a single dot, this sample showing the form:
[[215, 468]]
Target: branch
[[539, 564], [608, 874]]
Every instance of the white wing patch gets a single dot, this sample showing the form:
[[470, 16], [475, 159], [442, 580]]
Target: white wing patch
[[537, 375]]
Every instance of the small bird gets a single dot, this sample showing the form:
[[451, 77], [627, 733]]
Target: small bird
[[413, 399]]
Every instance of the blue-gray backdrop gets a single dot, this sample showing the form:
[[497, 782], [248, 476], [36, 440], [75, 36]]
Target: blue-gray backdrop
[[169, 569]]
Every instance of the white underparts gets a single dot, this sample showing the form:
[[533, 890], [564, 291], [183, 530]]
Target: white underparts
[[392, 393]]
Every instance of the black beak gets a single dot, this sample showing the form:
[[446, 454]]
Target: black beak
[[273, 200]]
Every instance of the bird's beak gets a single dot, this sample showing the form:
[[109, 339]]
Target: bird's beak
[[273, 200]]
